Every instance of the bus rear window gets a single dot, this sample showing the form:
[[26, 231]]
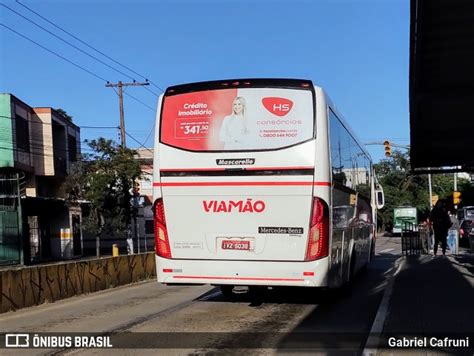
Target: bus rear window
[[237, 119]]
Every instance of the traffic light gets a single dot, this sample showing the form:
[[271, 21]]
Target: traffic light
[[388, 148], [456, 198]]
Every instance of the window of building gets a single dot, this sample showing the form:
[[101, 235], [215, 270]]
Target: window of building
[[22, 133], [71, 144]]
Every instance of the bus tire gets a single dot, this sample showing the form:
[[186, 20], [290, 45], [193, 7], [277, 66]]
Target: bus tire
[[256, 293], [226, 291]]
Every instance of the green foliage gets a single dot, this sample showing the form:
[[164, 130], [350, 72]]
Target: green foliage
[[104, 178], [467, 192], [401, 187], [64, 114]]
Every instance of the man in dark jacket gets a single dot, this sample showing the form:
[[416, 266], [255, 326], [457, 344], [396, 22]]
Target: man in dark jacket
[[441, 222]]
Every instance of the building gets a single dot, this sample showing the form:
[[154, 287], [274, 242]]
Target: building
[[37, 149]]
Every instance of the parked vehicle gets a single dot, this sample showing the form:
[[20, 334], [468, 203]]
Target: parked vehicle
[[404, 217], [466, 229], [466, 213], [466, 222]]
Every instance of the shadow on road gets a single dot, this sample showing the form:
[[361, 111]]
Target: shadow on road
[[338, 322], [343, 325]]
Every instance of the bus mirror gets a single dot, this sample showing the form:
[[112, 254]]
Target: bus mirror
[[380, 199]]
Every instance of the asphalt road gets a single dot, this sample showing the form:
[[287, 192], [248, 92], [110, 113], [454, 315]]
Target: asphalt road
[[199, 320]]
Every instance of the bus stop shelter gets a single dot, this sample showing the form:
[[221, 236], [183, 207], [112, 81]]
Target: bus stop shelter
[[442, 85]]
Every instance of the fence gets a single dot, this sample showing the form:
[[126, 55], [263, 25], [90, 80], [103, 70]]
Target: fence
[[415, 239]]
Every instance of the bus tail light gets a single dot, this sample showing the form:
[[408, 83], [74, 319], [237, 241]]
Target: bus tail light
[[162, 244], [318, 240]]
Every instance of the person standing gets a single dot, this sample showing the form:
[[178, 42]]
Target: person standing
[[441, 222]]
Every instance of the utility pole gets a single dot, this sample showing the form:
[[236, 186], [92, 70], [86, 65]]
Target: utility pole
[[120, 86], [430, 190], [455, 189]]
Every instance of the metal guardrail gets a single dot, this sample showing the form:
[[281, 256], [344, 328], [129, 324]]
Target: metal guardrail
[[415, 239]]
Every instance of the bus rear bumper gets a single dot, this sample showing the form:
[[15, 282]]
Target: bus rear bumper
[[263, 273]]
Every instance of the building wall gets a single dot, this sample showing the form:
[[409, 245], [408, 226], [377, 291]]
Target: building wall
[[53, 130], [42, 133], [6, 131]]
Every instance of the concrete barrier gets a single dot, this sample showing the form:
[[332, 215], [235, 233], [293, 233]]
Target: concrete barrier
[[33, 285]]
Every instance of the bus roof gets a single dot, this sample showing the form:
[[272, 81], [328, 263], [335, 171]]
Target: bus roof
[[239, 83]]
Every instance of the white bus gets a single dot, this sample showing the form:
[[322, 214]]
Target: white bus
[[259, 182]]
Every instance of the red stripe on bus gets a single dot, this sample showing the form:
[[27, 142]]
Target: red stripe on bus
[[242, 278], [298, 168], [191, 169], [216, 184]]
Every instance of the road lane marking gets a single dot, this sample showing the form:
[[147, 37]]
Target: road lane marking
[[386, 250], [379, 320]]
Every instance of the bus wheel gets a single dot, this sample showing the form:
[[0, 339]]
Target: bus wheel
[[257, 293], [227, 291]]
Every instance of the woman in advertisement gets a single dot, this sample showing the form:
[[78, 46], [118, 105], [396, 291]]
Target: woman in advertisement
[[234, 127]]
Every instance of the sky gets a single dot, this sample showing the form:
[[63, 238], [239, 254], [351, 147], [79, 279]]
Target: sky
[[357, 50]]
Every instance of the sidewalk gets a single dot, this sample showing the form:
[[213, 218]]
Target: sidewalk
[[432, 297]]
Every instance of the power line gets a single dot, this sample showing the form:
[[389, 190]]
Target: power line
[[93, 48], [48, 123], [149, 134], [120, 86], [141, 144], [99, 127], [67, 60], [141, 102], [34, 143], [56, 54], [70, 44]]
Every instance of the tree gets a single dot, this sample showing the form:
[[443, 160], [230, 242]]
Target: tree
[[403, 187], [104, 179], [64, 114]]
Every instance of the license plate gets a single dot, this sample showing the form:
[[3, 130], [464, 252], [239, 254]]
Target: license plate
[[236, 245]]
